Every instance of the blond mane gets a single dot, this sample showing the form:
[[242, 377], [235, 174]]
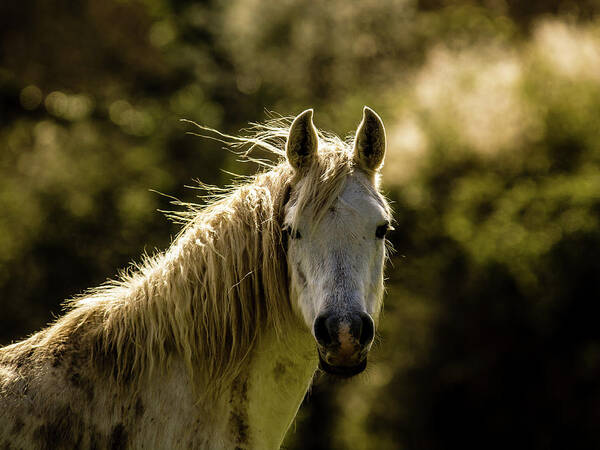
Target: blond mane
[[223, 281]]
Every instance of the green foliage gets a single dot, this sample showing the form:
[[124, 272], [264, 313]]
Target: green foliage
[[492, 111]]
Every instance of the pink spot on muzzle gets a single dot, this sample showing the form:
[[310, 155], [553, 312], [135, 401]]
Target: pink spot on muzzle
[[348, 345]]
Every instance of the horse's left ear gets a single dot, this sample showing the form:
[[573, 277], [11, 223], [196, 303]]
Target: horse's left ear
[[369, 144]]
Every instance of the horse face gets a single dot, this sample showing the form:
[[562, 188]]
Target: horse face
[[336, 264]]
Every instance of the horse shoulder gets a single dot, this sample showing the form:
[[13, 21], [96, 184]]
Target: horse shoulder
[[52, 396]]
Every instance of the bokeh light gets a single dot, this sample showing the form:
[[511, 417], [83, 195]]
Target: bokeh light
[[492, 111]]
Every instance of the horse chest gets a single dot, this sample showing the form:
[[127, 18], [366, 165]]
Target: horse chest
[[280, 374]]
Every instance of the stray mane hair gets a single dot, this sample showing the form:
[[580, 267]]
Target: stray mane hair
[[222, 282]]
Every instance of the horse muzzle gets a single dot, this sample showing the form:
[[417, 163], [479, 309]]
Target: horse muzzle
[[343, 342]]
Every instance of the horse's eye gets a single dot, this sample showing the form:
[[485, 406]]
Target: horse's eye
[[294, 235], [382, 230]]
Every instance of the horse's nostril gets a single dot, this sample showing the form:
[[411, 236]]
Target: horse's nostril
[[361, 328], [321, 332], [368, 329]]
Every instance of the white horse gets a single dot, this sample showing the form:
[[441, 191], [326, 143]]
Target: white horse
[[212, 343]]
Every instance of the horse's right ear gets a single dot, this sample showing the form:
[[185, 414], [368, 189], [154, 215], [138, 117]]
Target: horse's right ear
[[303, 142], [369, 144]]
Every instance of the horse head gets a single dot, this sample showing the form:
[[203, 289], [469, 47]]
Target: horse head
[[336, 249]]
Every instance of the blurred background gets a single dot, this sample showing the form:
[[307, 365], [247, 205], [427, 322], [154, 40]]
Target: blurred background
[[490, 336]]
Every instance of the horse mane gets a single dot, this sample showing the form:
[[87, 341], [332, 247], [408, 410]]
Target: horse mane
[[223, 281]]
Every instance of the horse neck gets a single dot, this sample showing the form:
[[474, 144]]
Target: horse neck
[[264, 395], [261, 398]]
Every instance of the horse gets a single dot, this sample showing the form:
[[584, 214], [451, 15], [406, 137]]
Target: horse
[[214, 342]]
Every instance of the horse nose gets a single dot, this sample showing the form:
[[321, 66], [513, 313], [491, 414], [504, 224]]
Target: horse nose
[[331, 328]]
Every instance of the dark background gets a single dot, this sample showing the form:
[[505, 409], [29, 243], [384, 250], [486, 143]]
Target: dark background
[[490, 335]]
